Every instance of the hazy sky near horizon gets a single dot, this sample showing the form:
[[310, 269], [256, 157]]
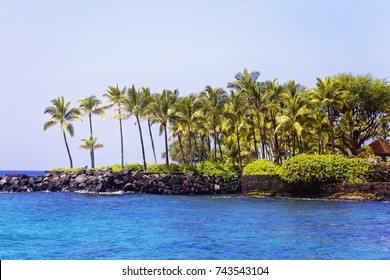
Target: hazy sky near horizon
[[78, 48]]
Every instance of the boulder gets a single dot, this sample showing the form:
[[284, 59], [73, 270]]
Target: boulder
[[81, 178]]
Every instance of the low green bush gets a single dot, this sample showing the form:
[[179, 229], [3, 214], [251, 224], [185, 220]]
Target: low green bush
[[325, 169], [65, 169], [224, 171], [261, 167]]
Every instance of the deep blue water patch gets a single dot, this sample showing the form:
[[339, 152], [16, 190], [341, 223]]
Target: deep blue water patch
[[81, 226]]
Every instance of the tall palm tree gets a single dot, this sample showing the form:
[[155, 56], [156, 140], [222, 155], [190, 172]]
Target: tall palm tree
[[91, 144], [329, 95], [148, 115], [234, 111], [293, 116], [214, 100], [61, 113], [90, 106], [163, 111], [273, 91], [115, 98], [243, 81], [187, 111], [135, 105]]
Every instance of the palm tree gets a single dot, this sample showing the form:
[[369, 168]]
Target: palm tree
[[163, 111], [243, 81], [234, 111], [187, 111], [148, 115], [293, 115], [328, 94], [272, 101], [135, 105], [115, 98], [61, 113], [214, 100], [90, 144], [90, 106]]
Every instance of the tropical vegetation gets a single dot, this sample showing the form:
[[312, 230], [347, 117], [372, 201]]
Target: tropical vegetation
[[251, 120]]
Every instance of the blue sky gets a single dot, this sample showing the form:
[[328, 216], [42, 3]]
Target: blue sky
[[78, 48]]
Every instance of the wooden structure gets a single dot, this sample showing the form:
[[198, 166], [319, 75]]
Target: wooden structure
[[380, 149]]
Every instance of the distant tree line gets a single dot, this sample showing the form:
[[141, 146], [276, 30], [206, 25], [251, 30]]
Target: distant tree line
[[250, 120]]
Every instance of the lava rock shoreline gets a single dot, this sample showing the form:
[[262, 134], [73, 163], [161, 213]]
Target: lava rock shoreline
[[106, 181]]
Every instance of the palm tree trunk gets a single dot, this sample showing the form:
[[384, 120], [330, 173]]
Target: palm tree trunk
[[332, 136], [220, 148], [255, 142], [190, 146], [166, 146], [67, 148], [92, 152], [293, 144], [142, 142], [151, 140], [181, 148], [203, 148], [92, 158], [239, 149], [121, 132], [215, 140], [196, 145]]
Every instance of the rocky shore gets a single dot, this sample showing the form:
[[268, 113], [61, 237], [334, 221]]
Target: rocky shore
[[108, 182], [273, 186], [111, 182]]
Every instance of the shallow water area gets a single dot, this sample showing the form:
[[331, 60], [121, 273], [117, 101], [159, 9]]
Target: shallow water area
[[138, 226]]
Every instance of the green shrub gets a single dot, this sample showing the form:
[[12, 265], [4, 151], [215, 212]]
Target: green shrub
[[224, 171], [261, 166], [324, 169], [134, 167], [65, 169]]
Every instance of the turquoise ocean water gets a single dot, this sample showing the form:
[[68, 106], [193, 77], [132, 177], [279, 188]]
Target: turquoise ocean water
[[138, 226]]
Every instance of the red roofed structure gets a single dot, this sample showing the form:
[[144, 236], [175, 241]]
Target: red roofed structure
[[380, 149]]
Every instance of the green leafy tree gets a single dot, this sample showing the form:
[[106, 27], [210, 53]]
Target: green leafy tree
[[366, 105], [62, 113]]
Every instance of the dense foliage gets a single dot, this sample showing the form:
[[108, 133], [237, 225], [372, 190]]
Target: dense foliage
[[253, 120], [261, 167], [325, 169], [211, 168]]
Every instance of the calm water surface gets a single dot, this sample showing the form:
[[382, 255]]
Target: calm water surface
[[81, 226]]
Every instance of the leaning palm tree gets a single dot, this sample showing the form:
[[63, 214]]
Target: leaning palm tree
[[163, 111], [135, 104], [90, 106], [115, 98], [62, 113], [91, 145]]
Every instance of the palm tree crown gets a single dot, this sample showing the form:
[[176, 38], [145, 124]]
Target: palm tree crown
[[62, 113]]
